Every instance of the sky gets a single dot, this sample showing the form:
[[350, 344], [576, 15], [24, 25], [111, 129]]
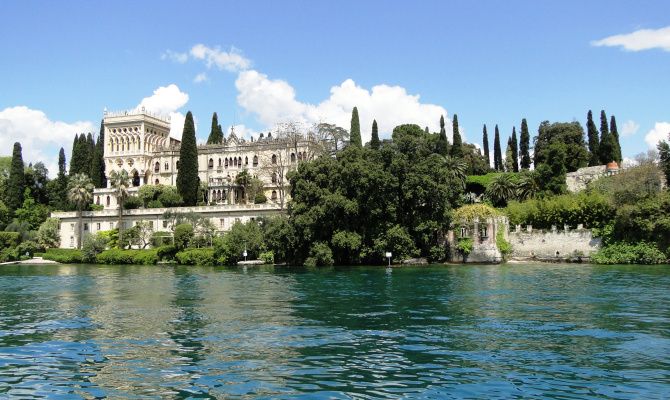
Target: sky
[[260, 63]]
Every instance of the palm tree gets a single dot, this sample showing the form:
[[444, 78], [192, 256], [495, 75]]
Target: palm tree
[[501, 189], [456, 169], [527, 186], [120, 182], [80, 192]]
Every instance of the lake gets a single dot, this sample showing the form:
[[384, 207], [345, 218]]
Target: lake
[[512, 331]]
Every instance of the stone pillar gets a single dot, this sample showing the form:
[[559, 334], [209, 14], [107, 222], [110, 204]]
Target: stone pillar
[[476, 236]]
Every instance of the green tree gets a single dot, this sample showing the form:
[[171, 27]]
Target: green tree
[[80, 193], [48, 234], [524, 145], [485, 142], [215, 134], [120, 183], [57, 188], [442, 147], [90, 153], [98, 161], [501, 190], [16, 183], [607, 145], [79, 158], [509, 159], [355, 132], [497, 151], [594, 141], [457, 142], [664, 159], [570, 135], [515, 150], [187, 176], [551, 174], [614, 132], [374, 141], [475, 162], [37, 180], [31, 212]]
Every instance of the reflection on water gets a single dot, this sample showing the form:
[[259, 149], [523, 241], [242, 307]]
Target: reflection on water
[[461, 332]]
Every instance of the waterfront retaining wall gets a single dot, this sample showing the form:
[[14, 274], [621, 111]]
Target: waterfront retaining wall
[[563, 244]]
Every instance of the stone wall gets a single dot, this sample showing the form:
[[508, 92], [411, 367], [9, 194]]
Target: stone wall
[[555, 244]]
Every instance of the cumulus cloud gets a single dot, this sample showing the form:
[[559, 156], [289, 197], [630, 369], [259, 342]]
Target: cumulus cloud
[[166, 100], [40, 137], [629, 128], [201, 77], [661, 131], [231, 60], [274, 101], [643, 39]]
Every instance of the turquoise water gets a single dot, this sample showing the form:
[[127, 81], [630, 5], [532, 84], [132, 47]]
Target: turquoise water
[[517, 331]]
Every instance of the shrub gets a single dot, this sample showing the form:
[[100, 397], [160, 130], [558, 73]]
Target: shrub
[[319, 255], [9, 254], [196, 257], [268, 257], [48, 234], [260, 198], [166, 252], [67, 256], [132, 202], [437, 253], [9, 239], [155, 204], [29, 247], [183, 234], [93, 245], [464, 246], [97, 207], [145, 257], [625, 253], [118, 256], [398, 241], [503, 245]]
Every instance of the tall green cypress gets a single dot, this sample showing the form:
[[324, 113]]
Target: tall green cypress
[[524, 145], [607, 150], [485, 143], [59, 200], [215, 134], [355, 131], [16, 183], [457, 142], [594, 141], [497, 151], [515, 150], [74, 156], [614, 132], [374, 139], [90, 153], [98, 162], [442, 145], [187, 176]]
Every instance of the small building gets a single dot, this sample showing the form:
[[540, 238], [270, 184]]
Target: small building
[[474, 233]]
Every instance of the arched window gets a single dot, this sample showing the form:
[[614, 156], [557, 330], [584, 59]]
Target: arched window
[[246, 160], [210, 164], [136, 179], [255, 161], [157, 167], [292, 158], [235, 162], [108, 200], [219, 163], [274, 159], [239, 161], [274, 195], [157, 182], [226, 163], [274, 177], [97, 200]]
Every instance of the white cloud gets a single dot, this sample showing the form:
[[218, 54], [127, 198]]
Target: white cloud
[[180, 58], [274, 101], [201, 77], [629, 128], [231, 60], [39, 136], [643, 39], [165, 100], [661, 131]]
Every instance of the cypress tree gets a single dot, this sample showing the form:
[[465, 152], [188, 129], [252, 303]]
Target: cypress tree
[[457, 143], [374, 140], [497, 151], [215, 134], [509, 159], [614, 132], [606, 143], [90, 153], [187, 176], [79, 161], [355, 132], [485, 142], [98, 162], [60, 200], [16, 183], [515, 150], [61, 162], [594, 141], [442, 147], [74, 156], [524, 146]]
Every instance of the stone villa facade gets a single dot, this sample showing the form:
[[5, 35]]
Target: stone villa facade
[[139, 143]]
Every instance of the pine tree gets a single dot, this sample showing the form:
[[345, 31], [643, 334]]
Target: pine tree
[[515, 150], [457, 142], [524, 145], [485, 142], [374, 140], [594, 141], [607, 147], [98, 162], [215, 134], [442, 146], [614, 132], [497, 151], [355, 132], [16, 183], [187, 176]]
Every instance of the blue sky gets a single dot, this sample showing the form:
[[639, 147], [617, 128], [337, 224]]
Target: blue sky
[[263, 62]]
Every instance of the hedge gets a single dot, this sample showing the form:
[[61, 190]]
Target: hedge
[[117, 256], [67, 256], [196, 257]]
